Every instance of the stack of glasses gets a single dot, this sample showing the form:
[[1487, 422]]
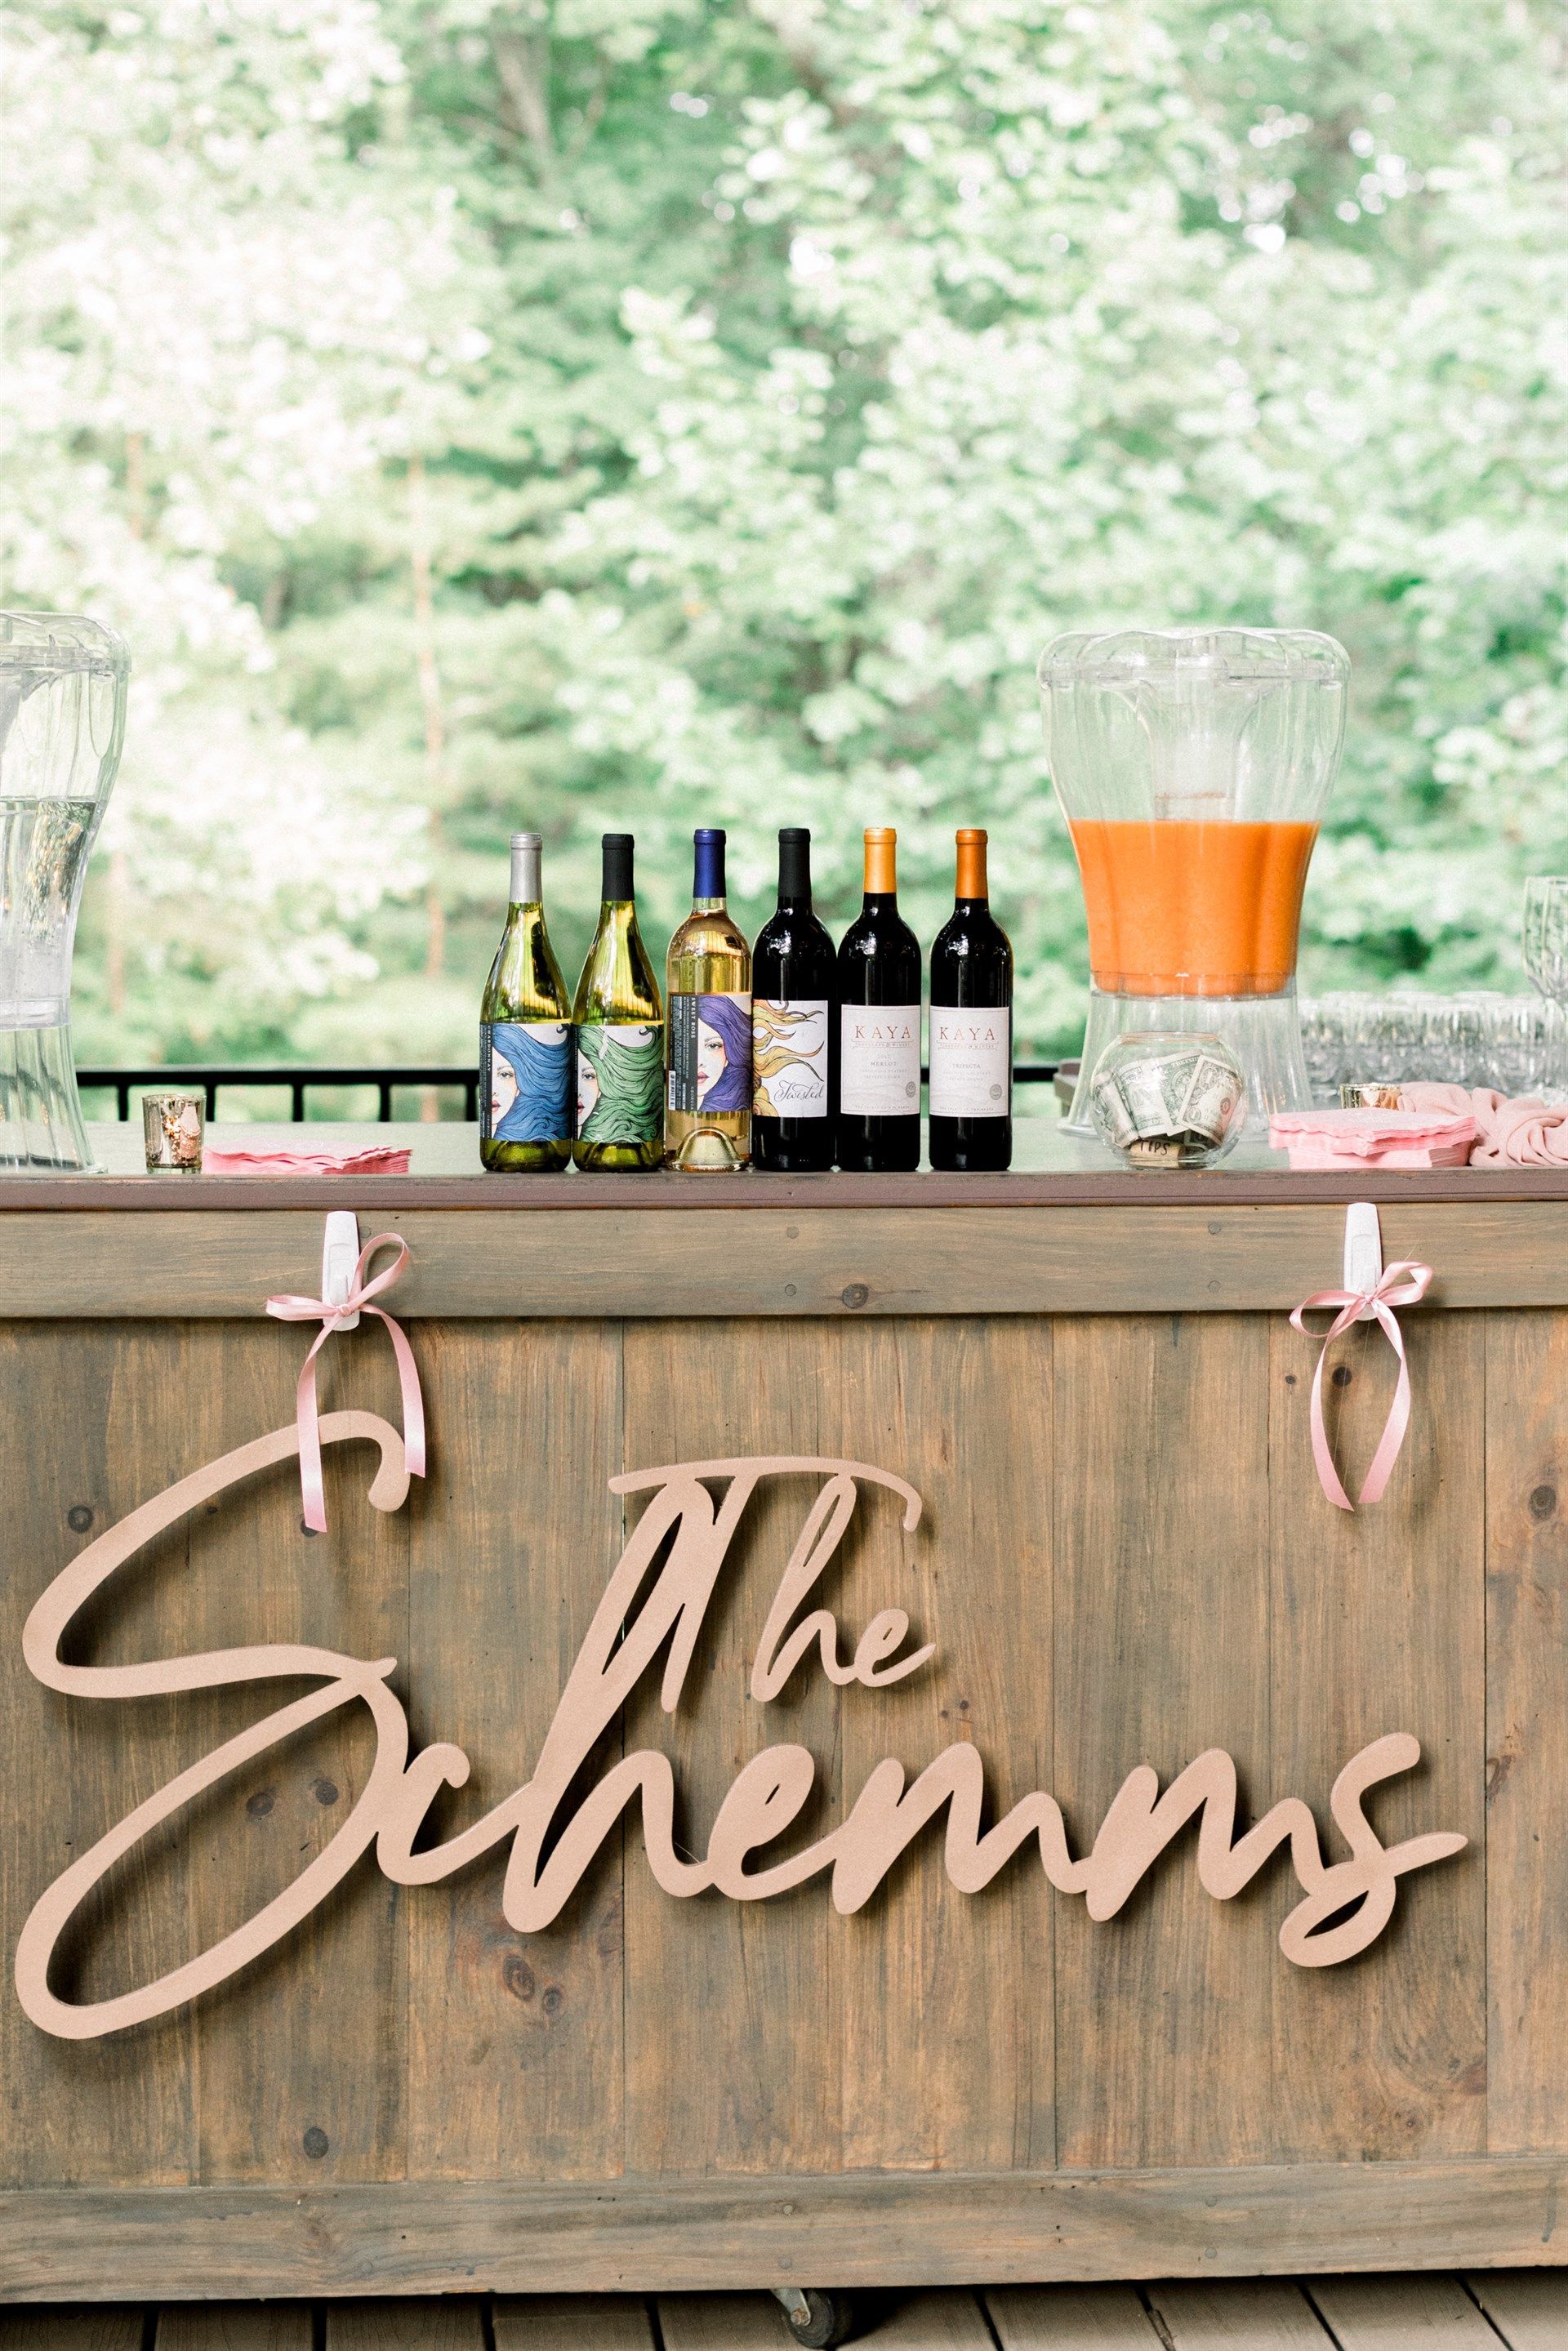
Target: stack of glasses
[[1518, 1044]]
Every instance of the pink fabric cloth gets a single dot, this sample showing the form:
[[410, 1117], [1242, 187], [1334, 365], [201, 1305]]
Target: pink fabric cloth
[[375, 1159], [1510, 1134], [1435, 1136]]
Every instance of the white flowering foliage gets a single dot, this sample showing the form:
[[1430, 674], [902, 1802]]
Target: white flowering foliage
[[594, 412]]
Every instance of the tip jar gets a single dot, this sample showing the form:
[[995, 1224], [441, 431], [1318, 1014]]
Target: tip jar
[[1159, 1100]]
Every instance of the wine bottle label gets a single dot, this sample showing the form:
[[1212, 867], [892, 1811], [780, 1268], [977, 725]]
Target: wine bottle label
[[790, 1057], [620, 1081], [524, 1075], [971, 1060], [879, 1061], [710, 1052]]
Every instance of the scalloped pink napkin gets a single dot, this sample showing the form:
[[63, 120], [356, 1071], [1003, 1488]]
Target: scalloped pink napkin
[[1437, 1136], [375, 1159]]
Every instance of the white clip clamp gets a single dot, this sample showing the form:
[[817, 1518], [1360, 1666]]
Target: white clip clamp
[[1362, 1253], [339, 1256]]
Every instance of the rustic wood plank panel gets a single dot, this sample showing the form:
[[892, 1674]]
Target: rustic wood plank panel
[[1527, 1735], [1379, 1626], [106, 2328], [515, 2065], [1163, 2016], [1401, 2314], [301, 2061], [1238, 2317], [91, 1424], [1528, 2307], [818, 1260], [1070, 2318], [573, 2321], [234, 2326], [733, 2031], [456, 2324], [694, 2234], [949, 2061]]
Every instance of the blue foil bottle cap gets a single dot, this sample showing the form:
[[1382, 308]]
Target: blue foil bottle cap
[[707, 877]]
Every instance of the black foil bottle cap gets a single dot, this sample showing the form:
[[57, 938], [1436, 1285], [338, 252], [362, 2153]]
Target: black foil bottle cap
[[794, 862], [617, 884]]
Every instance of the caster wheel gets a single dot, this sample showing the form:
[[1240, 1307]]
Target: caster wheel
[[819, 2321]]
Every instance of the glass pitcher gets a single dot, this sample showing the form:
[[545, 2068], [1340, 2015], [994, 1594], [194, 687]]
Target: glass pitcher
[[62, 724]]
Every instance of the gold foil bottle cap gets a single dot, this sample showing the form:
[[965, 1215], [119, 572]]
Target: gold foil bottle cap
[[971, 876], [881, 861]]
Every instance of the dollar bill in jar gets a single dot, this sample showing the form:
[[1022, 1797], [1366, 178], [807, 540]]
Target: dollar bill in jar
[[1160, 1099]]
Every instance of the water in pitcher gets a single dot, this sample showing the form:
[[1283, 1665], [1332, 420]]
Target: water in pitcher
[[44, 846], [43, 861], [62, 724]]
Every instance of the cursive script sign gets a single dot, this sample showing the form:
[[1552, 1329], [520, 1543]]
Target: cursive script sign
[[679, 1549]]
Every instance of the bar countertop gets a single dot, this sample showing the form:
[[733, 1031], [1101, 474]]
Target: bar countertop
[[1050, 1169], [1066, 1230]]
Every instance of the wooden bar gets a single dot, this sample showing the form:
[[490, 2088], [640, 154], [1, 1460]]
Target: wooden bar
[[1050, 1448], [1271, 2219], [627, 1263]]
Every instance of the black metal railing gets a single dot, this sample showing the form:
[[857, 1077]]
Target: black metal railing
[[209, 1078]]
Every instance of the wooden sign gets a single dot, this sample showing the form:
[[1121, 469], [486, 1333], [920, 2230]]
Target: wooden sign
[[679, 1549]]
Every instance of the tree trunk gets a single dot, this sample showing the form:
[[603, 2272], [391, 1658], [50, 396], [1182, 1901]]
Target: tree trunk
[[430, 704]]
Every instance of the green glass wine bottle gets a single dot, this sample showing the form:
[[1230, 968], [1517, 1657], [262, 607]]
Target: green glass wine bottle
[[620, 1018], [525, 1034]]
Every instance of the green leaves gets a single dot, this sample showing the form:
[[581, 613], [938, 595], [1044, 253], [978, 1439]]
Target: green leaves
[[782, 376]]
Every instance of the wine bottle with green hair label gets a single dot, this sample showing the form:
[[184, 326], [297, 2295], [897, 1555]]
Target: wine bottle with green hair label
[[619, 1022]]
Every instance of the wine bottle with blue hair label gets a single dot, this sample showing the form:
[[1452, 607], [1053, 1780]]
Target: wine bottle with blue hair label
[[525, 1034], [707, 975]]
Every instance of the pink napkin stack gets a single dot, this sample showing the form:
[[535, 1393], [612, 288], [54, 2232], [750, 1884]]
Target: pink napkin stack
[[374, 1159], [1374, 1138]]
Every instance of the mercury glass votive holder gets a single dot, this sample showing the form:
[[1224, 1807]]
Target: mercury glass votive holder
[[171, 1128]]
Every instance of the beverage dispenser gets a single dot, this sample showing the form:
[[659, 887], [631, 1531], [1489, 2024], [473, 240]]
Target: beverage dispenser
[[1192, 766]]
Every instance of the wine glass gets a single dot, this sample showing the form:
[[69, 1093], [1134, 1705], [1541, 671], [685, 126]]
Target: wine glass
[[1546, 933]]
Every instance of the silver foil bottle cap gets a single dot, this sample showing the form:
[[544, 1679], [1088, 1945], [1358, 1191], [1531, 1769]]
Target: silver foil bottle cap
[[528, 869]]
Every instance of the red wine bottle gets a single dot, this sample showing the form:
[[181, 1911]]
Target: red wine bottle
[[879, 1025], [971, 1026], [793, 1048]]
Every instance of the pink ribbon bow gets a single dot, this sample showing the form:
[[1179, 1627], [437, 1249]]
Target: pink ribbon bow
[[1355, 1306], [331, 1317]]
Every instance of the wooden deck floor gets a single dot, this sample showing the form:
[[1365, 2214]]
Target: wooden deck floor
[[1524, 2310]]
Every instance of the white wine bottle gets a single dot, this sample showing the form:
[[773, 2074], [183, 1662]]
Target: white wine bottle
[[525, 1034], [620, 1034], [707, 980]]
